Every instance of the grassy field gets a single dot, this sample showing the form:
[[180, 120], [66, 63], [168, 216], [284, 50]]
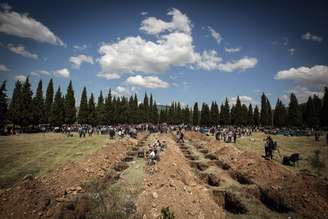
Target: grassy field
[[288, 145], [38, 153]]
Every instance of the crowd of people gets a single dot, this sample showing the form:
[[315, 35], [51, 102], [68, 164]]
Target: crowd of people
[[153, 152]]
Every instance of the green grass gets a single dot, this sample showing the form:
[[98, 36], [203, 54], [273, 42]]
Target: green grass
[[39, 153], [288, 145]]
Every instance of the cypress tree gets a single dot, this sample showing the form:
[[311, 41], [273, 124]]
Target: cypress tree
[[15, 105], [225, 113], [57, 109], [205, 115], [195, 115], [27, 105], [38, 105], [317, 108], [244, 114], [269, 113], [109, 110], [256, 116], [250, 115], [92, 111], [3, 106], [84, 109], [324, 109], [280, 114], [100, 110], [238, 117], [264, 118], [214, 116], [48, 101], [294, 113], [70, 110]]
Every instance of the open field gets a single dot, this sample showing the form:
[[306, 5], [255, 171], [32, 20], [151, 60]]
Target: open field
[[95, 177], [39, 153]]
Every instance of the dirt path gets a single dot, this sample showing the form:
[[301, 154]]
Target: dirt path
[[172, 183], [267, 188], [41, 197]]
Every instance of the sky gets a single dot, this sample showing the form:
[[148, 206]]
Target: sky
[[183, 51]]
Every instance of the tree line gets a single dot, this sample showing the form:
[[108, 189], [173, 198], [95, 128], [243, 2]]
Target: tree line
[[56, 108]]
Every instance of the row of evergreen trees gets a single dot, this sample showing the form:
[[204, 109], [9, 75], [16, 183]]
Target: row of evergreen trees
[[56, 109]]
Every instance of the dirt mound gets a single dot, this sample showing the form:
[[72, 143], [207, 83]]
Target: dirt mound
[[280, 189], [174, 185]]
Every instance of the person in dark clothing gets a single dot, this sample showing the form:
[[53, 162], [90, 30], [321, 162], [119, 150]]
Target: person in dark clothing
[[327, 138], [234, 137], [268, 148]]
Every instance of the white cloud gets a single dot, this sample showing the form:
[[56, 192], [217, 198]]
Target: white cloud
[[22, 25], [302, 93], [76, 61], [232, 50], [291, 51], [121, 91], [80, 48], [62, 73], [243, 99], [3, 68], [38, 73], [21, 78], [180, 22], [173, 48], [144, 13], [241, 64], [317, 74], [216, 35], [148, 82], [19, 49], [312, 37]]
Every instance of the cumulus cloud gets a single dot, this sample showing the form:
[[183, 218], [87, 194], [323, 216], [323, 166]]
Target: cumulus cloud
[[62, 73], [180, 22], [3, 68], [121, 91], [21, 78], [22, 25], [317, 74], [173, 47], [232, 50], [148, 82], [216, 35], [312, 37], [76, 61], [19, 49], [144, 13]]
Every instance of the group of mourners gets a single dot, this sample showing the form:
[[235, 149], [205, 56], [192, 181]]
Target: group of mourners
[[229, 135], [153, 152]]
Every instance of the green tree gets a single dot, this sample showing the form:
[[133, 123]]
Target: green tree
[[280, 114], [324, 109], [26, 105], [15, 105], [256, 116], [109, 109], [57, 109], [70, 110], [214, 114], [3, 106], [317, 104], [195, 115], [84, 109], [100, 110], [38, 105], [225, 113], [205, 115], [294, 113], [264, 117], [309, 114], [48, 101], [238, 113], [92, 120], [250, 115]]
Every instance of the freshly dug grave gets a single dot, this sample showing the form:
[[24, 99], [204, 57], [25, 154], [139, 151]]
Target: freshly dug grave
[[282, 190]]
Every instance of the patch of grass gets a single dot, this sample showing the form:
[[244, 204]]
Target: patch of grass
[[305, 146], [42, 152]]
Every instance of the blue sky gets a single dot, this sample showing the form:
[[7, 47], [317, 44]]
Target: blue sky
[[177, 50]]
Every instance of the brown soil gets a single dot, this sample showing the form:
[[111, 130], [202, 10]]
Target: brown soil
[[173, 184], [280, 189]]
